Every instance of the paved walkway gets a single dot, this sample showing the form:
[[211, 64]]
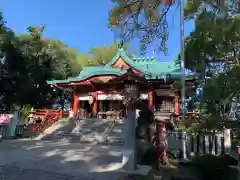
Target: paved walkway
[[46, 160]]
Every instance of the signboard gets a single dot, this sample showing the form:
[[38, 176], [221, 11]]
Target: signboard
[[131, 91], [165, 92]]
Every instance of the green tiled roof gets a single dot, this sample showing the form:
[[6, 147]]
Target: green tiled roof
[[152, 68], [87, 72]]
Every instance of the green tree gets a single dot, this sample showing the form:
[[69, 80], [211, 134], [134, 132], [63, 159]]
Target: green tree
[[213, 40], [99, 55], [220, 8], [30, 60], [212, 50]]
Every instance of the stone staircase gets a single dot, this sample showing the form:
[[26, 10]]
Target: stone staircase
[[86, 131]]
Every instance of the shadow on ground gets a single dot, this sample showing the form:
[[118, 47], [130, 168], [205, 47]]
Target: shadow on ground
[[70, 159]]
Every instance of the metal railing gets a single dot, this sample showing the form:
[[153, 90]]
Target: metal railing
[[109, 130], [4, 130]]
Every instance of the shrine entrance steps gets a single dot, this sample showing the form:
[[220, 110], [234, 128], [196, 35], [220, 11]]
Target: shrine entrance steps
[[94, 131]]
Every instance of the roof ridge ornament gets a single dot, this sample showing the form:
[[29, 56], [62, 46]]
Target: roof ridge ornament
[[120, 45]]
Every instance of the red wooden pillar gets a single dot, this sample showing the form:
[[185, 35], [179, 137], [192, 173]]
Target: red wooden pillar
[[75, 104], [238, 154], [161, 144], [61, 114], [95, 105], [164, 136], [157, 146], [150, 100], [177, 104]]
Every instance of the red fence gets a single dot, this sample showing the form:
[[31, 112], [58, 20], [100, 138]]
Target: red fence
[[44, 118], [39, 120], [45, 112]]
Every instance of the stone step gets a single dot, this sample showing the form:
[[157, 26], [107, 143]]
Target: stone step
[[115, 142], [72, 138], [77, 139], [113, 137], [116, 133], [88, 131]]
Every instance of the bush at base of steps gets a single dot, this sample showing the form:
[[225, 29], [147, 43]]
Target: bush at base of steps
[[210, 167]]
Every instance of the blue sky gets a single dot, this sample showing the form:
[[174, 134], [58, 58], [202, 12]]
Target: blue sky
[[80, 24]]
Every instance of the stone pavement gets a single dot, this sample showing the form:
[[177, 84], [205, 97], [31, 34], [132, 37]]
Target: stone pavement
[[12, 172], [46, 160]]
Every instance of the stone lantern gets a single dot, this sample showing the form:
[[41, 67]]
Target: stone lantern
[[131, 93], [130, 84]]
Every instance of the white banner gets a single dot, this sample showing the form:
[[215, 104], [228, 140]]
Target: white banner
[[113, 97], [84, 97], [117, 97]]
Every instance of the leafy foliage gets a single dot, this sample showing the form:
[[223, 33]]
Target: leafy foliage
[[143, 19], [99, 55], [29, 61], [212, 51], [220, 8], [23, 110], [214, 42]]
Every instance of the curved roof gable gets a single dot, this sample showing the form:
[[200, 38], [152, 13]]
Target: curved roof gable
[[120, 53]]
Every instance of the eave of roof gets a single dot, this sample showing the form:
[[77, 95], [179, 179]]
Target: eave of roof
[[88, 72]]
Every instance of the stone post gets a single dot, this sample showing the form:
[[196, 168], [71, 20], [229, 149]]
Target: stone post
[[130, 139], [227, 140], [218, 144], [184, 150]]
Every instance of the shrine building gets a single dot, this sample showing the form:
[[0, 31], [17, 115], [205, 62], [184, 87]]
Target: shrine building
[[94, 96]]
